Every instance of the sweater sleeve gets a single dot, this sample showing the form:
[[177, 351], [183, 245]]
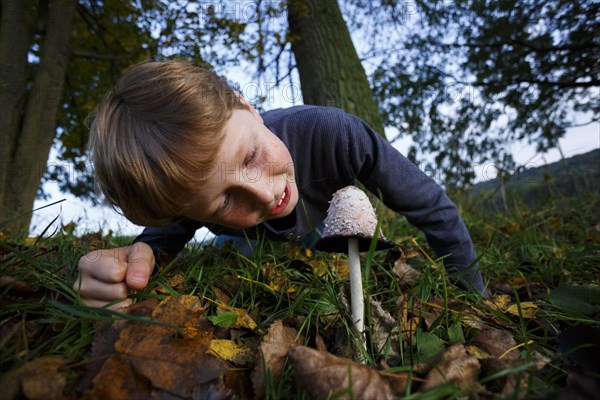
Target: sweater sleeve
[[169, 239], [405, 189]]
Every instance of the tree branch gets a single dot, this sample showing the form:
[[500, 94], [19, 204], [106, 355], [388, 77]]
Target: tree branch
[[98, 56]]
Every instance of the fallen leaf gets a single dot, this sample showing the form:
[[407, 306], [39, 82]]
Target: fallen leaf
[[498, 303], [576, 299], [243, 320], [171, 355], [327, 376], [477, 352], [320, 343], [224, 319], [495, 342], [409, 327], [118, 380], [528, 309], [272, 352], [383, 336], [223, 298], [37, 379], [428, 344], [10, 283], [407, 275], [175, 283], [227, 350], [103, 344], [452, 365], [276, 279], [517, 280]]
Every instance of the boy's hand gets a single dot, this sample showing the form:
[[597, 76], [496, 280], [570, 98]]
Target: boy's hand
[[106, 275]]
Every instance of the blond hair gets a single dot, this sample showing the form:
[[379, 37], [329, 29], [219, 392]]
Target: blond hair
[[154, 136]]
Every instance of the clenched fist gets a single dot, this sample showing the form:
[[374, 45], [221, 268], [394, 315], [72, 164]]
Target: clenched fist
[[106, 275]]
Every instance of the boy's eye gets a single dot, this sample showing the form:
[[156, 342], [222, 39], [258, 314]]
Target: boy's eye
[[226, 201]]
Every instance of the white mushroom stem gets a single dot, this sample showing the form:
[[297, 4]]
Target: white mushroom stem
[[356, 289]]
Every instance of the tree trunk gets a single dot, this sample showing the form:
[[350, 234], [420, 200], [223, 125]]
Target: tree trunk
[[330, 71], [29, 119]]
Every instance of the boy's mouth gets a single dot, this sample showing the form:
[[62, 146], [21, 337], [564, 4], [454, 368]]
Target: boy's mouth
[[283, 201]]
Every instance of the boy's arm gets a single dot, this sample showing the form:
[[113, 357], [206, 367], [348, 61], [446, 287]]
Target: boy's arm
[[407, 190], [169, 240]]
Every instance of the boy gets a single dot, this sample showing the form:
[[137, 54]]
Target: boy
[[175, 148]]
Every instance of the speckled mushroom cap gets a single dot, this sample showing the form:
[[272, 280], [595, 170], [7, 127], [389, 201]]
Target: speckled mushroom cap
[[350, 215]]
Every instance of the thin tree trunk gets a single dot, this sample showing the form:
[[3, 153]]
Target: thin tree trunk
[[33, 136], [17, 20], [330, 71]]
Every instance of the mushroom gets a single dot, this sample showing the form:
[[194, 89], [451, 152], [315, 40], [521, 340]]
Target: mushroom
[[349, 228]]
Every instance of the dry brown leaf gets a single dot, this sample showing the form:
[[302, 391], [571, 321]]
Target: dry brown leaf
[[37, 379], [178, 363], [273, 350], [498, 343], [495, 342], [407, 275], [223, 298], [382, 325], [320, 343], [118, 380], [452, 365], [106, 335], [176, 282], [173, 358], [325, 375], [409, 327], [276, 279], [15, 285]]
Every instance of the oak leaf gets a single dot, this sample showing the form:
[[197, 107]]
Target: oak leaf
[[325, 375], [37, 379], [271, 355], [455, 365]]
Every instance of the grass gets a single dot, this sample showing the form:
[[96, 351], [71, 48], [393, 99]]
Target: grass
[[531, 254]]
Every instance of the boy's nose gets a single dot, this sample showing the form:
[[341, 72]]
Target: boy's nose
[[260, 193]]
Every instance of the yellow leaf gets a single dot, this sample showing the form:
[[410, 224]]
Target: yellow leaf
[[528, 309], [517, 280], [498, 302], [477, 352], [229, 351], [243, 319], [409, 327]]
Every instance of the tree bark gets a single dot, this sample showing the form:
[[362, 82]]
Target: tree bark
[[29, 125], [330, 71]]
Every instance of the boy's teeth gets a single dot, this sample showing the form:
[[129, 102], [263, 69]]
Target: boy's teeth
[[281, 199]]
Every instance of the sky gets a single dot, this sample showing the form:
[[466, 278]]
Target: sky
[[90, 218]]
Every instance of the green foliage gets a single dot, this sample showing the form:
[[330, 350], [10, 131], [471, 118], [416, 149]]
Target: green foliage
[[224, 319], [576, 300], [473, 76]]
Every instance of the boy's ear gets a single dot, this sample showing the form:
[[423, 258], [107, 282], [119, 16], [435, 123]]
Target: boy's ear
[[249, 107]]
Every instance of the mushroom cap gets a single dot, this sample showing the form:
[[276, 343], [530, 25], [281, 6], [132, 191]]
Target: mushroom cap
[[350, 215]]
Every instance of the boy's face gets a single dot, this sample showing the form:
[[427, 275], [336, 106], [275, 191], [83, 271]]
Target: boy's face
[[252, 179]]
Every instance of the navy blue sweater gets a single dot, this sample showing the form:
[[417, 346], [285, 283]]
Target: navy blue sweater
[[330, 150]]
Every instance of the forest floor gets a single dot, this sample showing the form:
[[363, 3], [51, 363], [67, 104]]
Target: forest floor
[[215, 324]]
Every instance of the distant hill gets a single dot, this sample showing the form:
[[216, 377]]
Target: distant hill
[[572, 176]]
